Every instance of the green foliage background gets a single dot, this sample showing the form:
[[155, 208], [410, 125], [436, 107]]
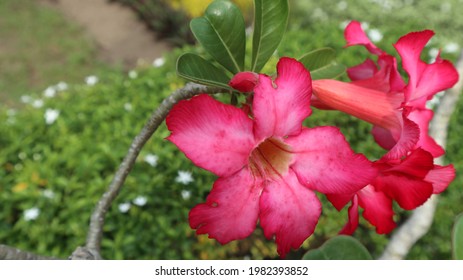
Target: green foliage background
[[76, 156]]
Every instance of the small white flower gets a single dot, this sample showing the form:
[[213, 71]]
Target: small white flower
[[124, 207], [31, 214], [49, 92], [184, 177], [451, 48], [51, 115], [38, 103], [48, 194], [128, 107], [133, 74], [11, 112], [22, 155], [26, 99], [37, 157], [151, 159], [140, 200], [344, 24], [342, 5], [61, 86], [186, 194], [158, 62], [433, 52], [375, 35], [91, 80], [365, 25]]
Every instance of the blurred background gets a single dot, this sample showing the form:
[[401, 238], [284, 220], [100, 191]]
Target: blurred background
[[78, 80]]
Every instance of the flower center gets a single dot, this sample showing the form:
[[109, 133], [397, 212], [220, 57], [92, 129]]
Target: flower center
[[271, 158]]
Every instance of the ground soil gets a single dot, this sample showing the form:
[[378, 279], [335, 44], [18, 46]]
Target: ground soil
[[119, 34]]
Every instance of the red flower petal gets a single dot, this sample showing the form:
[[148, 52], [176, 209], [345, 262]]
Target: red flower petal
[[355, 35], [325, 162], [244, 81], [425, 79], [215, 136], [280, 111], [377, 209], [422, 117], [288, 211], [231, 209], [353, 221], [440, 177]]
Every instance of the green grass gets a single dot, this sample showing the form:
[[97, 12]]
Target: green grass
[[38, 48]]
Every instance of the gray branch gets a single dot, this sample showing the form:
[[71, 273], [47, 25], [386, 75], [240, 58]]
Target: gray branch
[[10, 253], [420, 221], [95, 232]]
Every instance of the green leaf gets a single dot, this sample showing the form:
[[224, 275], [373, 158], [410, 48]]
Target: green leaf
[[341, 247], [321, 64], [318, 58], [221, 31], [457, 238], [270, 20], [331, 71], [195, 68]]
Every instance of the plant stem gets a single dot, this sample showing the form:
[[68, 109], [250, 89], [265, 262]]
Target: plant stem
[[95, 231]]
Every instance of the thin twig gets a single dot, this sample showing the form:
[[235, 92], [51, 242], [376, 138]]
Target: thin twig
[[420, 221], [97, 219], [10, 253]]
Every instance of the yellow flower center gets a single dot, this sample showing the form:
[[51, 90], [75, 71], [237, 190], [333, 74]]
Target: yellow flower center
[[271, 159]]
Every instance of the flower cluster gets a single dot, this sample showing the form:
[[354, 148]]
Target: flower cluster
[[270, 167], [397, 110]]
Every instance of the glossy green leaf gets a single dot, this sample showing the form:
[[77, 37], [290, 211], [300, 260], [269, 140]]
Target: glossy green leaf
[[318, 58], [270, 20], [341, 247], [221, 31], [457, 238], [195, 68], [321, 64], [331, 71]]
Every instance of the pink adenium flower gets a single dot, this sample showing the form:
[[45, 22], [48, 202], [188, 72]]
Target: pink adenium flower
[[268, 164], [410, 182], [379, 95]]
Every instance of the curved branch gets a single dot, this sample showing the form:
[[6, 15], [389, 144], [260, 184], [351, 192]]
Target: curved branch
[[95, 232], [420, 221], [10, 253]]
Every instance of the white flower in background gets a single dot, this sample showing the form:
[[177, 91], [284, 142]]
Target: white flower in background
[[451, 48], [22, 155], [128, 107], [38, 103], [31, 214], [140, 200], [11, 112], [37, 157], [124, 207], [184, 177], [48, 194], [61, 86], [151, 159], [375, 35], [91, 80], [342, 5], [365, 25], [158, 62], [343, 24], [51, 115], [186, 194], [26, 99], [49, 92], [133, 74], [433, 52]]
